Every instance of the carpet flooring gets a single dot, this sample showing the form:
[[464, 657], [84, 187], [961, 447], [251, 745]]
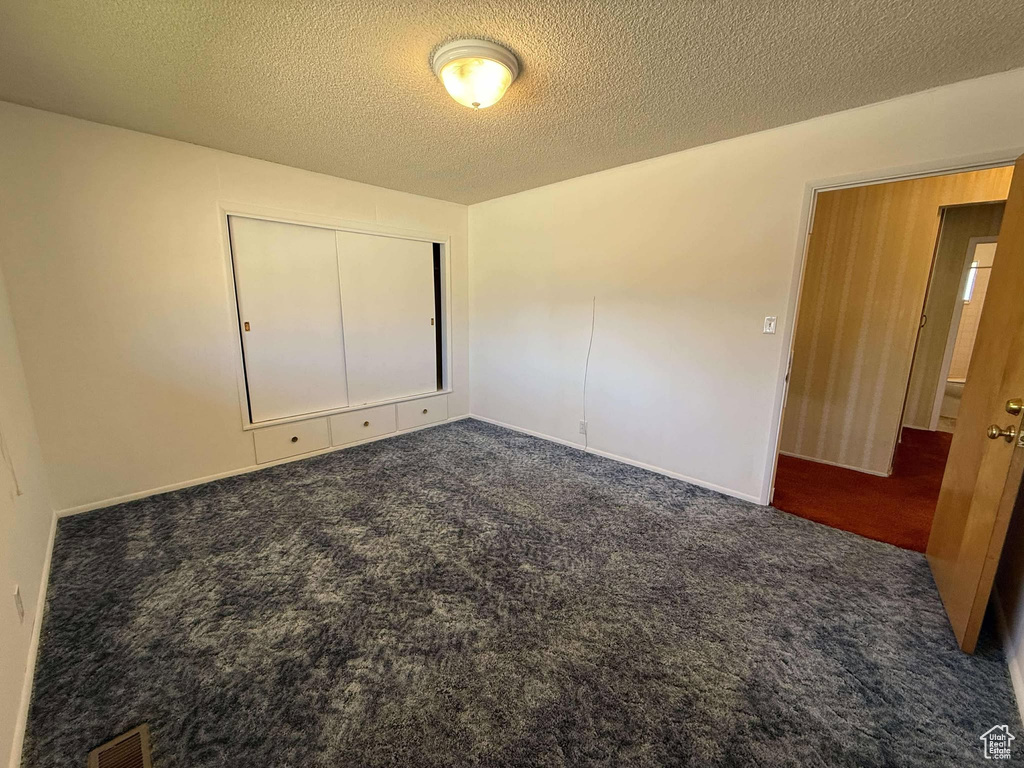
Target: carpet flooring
[[470, 596], [897, 509]]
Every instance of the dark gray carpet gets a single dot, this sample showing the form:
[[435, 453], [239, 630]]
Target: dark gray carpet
[[469, 596]]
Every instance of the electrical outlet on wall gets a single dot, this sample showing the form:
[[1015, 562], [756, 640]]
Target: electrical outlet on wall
[[769, 324], [583, 427], [19, 604]]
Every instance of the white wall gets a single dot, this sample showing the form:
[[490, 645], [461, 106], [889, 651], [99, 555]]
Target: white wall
[[686, 255], [116, 271], [1009, 600], [26, 517]]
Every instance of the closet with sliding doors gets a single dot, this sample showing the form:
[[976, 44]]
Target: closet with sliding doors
[[341, 334]]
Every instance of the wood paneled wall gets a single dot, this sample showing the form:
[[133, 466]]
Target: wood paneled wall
[[865, 279], [959, 225]]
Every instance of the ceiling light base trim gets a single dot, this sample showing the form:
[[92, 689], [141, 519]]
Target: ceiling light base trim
[[474, 49]]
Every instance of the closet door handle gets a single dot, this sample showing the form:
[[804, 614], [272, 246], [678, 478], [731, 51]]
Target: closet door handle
[[366, 423], [424, 410], [295, 439]]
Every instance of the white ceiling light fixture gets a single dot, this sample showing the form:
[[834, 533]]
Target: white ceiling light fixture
[[475, 72]]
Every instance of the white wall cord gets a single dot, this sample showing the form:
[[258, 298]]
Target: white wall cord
[[586, 373], [6, 455]]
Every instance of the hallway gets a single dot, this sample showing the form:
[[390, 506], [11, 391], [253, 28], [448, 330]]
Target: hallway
[[896, 509]]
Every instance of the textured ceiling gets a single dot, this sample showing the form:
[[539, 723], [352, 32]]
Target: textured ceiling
[[345, 88]]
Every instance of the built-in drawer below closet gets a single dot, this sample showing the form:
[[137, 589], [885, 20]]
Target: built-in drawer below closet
[[427, 410], [280, 442], [362, 425]]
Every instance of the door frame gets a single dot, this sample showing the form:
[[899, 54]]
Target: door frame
[[954, 326], [812, 189]]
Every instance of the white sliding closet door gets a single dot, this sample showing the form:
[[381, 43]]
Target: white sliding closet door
[[289, 303], [387, 285]]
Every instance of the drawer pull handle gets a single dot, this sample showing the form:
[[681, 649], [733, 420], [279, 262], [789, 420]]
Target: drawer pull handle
[[295, 439], [424, 410], [366, 423]]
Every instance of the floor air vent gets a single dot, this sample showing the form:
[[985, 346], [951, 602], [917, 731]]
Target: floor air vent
[[129, 750]]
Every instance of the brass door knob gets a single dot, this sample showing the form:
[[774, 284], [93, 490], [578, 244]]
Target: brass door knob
[[1015, 406], [994, 432], [366, 423]]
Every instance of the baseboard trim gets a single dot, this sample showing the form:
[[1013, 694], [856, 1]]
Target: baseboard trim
[[623, 460], [1010, 652], [94, 505], [33, 653], [835, 464]]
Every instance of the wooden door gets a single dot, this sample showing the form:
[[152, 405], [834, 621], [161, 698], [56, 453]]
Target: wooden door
[[983, 475], [387, 287], [289, 305]]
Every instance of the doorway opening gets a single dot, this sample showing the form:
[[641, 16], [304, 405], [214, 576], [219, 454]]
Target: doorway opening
[[962, 333], [894, 280]]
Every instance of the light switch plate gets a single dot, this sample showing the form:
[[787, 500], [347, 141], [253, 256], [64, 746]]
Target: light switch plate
[[769, 324]]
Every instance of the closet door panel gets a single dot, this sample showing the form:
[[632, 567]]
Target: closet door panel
[[387, 287], [288, 292]]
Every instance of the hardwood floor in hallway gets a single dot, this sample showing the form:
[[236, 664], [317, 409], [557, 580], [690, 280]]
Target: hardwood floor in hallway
[[897, 509]]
